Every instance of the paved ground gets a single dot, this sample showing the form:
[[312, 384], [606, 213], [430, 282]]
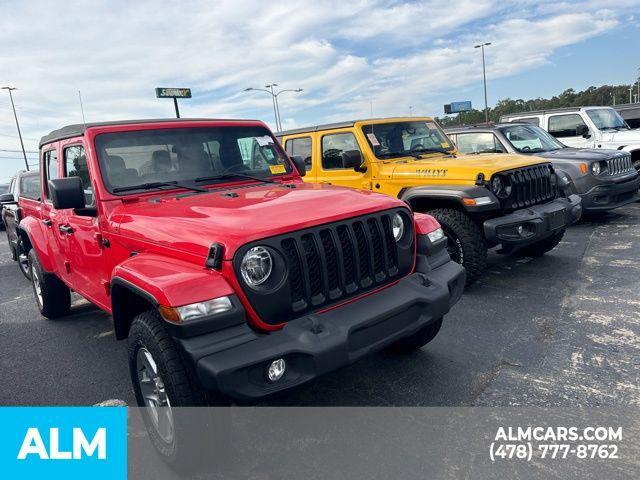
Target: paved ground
[[559, 330]]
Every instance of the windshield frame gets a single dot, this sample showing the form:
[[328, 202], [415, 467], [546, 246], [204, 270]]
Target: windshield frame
[[540, 132], [616, 115], [417, 154], [100, 142]]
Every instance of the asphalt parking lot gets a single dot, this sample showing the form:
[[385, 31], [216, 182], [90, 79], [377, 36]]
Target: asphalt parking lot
[[561, 330]]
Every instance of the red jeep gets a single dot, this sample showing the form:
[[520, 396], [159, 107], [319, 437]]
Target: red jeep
[[229, 276]]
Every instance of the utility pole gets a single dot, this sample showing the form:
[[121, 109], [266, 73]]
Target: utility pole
[[274, 98], [24, 154], [484, 77]]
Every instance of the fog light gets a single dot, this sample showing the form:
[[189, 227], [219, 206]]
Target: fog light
[[276, 370]]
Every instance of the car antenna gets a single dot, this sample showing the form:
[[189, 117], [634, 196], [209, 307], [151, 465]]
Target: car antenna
[[82, 108]]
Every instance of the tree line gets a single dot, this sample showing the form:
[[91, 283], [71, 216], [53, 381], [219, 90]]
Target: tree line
[[604, 95]]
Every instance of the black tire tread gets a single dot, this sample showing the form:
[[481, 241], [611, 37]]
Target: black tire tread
[[56, 296], [471, 237]]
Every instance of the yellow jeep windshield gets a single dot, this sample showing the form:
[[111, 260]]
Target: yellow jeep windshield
[[402, 139]]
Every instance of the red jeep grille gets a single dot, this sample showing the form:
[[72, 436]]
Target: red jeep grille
[[330, 263]]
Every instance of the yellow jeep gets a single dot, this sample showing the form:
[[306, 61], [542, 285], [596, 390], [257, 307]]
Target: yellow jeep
[[481, 201]]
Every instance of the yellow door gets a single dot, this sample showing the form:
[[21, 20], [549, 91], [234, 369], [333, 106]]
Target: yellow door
[[328, 164], [304, 146]]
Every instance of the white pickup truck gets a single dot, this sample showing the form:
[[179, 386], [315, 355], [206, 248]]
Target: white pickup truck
[[586, 127]]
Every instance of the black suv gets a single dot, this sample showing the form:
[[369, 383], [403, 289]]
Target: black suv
[[604, 179], [15, 203]]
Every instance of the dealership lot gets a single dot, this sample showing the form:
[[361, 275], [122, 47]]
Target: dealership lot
[[563, 329]]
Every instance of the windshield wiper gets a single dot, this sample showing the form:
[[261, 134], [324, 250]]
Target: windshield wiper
[[224, 176], [431, 150], [152, 185], [399, 154]]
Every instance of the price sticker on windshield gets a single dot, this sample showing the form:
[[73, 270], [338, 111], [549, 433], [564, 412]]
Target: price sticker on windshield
[[277, 169], [264, 140], [373, 139]]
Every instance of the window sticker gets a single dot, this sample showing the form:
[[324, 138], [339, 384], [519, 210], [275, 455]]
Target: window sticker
[[444, 144], [276, 169], [264, 140], [373, 139]]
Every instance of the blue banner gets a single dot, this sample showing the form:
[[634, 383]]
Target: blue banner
[[63, 442]]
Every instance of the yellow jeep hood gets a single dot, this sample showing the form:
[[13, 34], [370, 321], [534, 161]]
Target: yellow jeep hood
[[461, 168]]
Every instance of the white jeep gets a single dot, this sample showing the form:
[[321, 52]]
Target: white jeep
[[586, 127]]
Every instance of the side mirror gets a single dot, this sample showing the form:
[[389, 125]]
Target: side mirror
[[298, 162], [66, 193], [7, 198], [582, 131], [352, 159]]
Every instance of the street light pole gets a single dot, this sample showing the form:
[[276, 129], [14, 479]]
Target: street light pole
[[24, 154], [484, 77], [274, 98]]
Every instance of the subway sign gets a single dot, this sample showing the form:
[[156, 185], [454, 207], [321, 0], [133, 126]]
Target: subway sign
[[163, 92]]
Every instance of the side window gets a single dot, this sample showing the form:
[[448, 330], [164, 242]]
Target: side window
[[332, 147], [50, 169], [565, 125], [479, 143], [75, 165], [30, 187], [301, 147]]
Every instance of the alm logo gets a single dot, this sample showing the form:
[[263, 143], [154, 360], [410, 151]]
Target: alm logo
[[33, 444]]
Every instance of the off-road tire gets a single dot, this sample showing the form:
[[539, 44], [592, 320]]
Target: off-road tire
[[418, 339], [188, 451], [54, 300], [24, 267], [543, 246], [467, 240]]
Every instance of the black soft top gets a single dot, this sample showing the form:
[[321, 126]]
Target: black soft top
[[79, 129]]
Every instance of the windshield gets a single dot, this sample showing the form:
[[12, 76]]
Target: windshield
[[401, 139], [607, 119], [530, 139], [182, 155]]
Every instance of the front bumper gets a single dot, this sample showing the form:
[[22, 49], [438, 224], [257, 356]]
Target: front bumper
[[233, 361], [537, 222], [610, 195]]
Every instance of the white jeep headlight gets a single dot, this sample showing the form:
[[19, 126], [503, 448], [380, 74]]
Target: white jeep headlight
[[397, 226], [436, 235], [256, 266], [194, 311], [595, 168]]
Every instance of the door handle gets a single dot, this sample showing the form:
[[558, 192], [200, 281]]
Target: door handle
[[65, 229], [326, 183], [47, 222]]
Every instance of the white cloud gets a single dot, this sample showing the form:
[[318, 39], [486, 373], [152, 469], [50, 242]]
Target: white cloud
[[344, 55]]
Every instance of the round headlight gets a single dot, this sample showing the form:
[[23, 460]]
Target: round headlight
[[256, 266], [595, 168], [500, 187], [397, 227]]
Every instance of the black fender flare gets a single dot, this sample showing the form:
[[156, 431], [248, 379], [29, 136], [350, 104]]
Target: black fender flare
[[452, 194]]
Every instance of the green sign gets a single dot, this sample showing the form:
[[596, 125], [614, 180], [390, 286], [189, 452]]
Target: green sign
[[162, 92]]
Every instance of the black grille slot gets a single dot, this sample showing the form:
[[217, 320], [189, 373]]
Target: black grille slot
[[529, 186], [364, 260], [391, 252], [330, 263], [378, 251], [295, 270], [313, 262], [332, 259], [348, 258]]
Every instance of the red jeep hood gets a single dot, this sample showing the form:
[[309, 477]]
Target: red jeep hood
[[192, 223]]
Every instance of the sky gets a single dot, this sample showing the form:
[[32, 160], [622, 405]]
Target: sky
[[351, 58]]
